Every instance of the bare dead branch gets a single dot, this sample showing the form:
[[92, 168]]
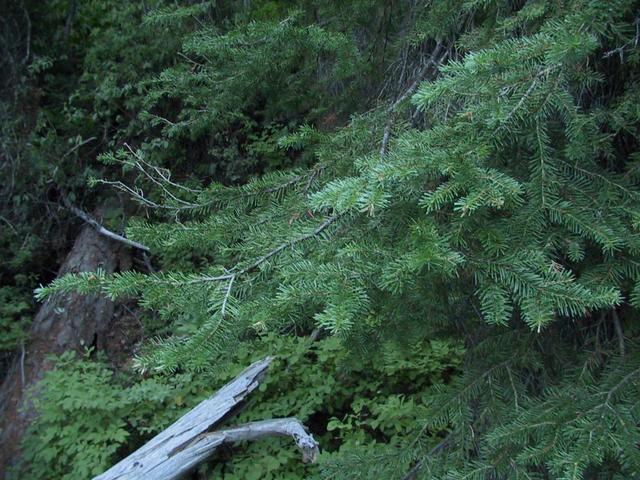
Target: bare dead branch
[[84, 142], [68, 24], [189, 441], [287, 427], [102, 230]]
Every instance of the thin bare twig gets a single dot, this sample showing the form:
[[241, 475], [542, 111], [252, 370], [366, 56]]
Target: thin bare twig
[[619, 333], [71, 13], [84, 142], [9, 224], [137, 195], [164, 174], [147, 262], [158, 182], [28, 47], [102, 230]]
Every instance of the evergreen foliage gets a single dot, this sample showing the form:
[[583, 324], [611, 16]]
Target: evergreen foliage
[[455, 171]]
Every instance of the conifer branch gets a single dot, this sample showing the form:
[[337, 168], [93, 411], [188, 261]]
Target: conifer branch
[[323, 226], [526, 95], [183, 205], [411, 474], [602, 178], [283, 246], [611, 392]]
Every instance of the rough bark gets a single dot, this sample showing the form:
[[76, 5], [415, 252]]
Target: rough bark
[[189, 441], [70, 323]]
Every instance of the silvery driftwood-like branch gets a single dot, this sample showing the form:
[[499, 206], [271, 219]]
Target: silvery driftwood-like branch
[[190, 441]]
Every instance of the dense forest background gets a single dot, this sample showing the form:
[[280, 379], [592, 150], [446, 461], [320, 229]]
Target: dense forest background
[[427, 211]]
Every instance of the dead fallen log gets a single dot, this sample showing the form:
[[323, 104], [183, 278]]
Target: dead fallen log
[[191, 440]]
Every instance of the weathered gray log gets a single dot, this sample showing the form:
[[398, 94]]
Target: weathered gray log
[[189, 441]]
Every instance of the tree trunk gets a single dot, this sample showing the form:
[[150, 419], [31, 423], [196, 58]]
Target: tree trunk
[[70, 323]]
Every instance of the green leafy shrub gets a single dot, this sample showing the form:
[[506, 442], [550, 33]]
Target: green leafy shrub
[[348, 403], [80, 424], [88, 418]]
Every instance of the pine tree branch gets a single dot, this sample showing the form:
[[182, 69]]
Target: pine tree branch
[[164, 181], [411, 474], [292, 243], [102, 230], [283, 246], [526, 95]]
